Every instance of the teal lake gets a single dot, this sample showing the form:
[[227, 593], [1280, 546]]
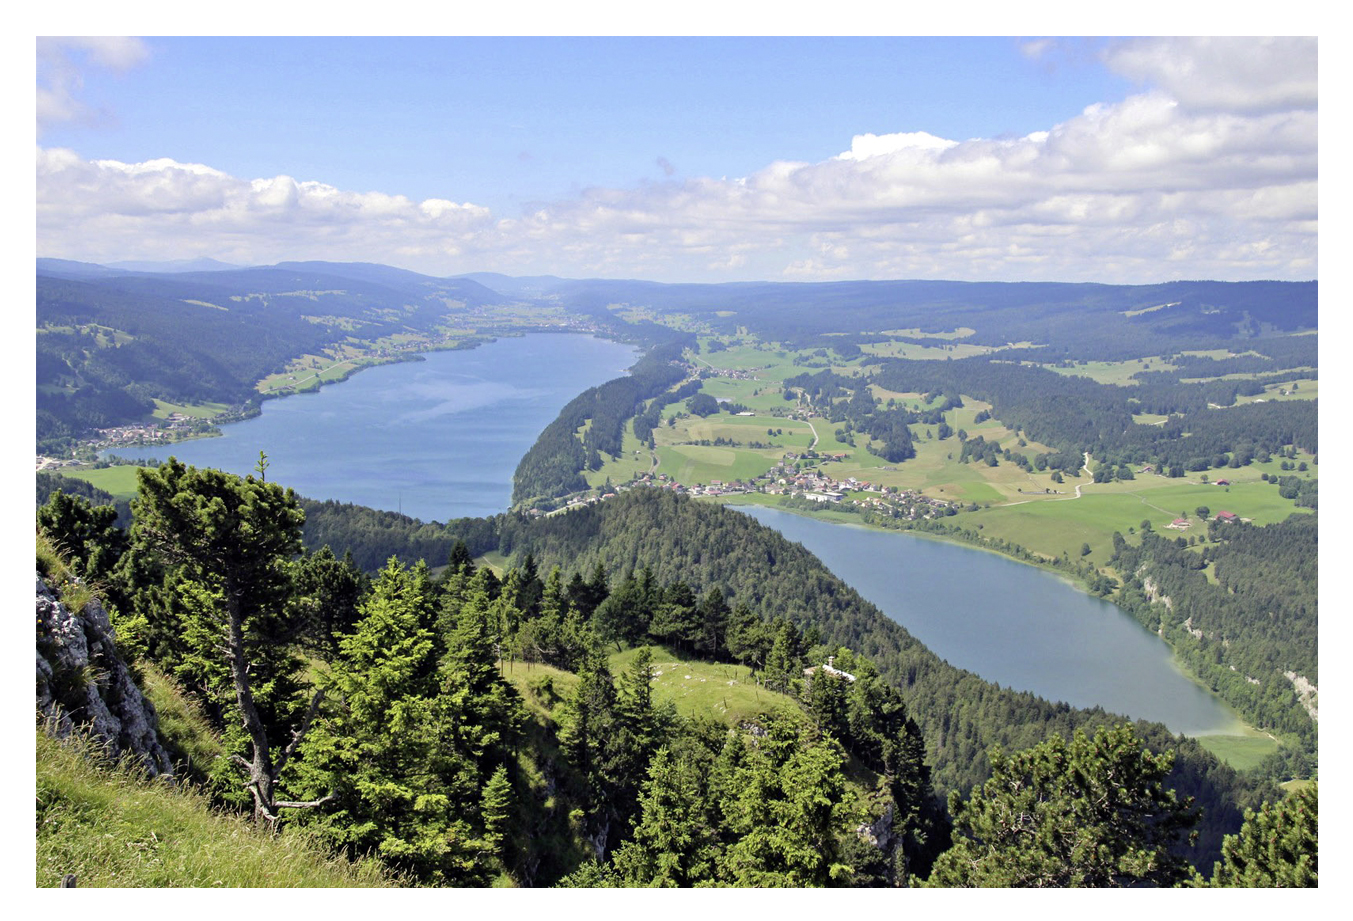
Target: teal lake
[[436, 439], [1009, 622]]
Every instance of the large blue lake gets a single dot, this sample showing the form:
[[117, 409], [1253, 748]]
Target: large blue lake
[[1011, 623], [435, 439], [441, 438]]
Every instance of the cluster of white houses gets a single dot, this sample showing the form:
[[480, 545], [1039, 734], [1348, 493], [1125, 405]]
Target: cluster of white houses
[[785, 480]]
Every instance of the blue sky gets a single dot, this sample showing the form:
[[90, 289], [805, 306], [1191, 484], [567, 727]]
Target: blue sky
[[509, 122], [688, 159]]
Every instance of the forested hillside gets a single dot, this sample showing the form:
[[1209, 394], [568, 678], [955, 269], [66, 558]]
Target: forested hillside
[[471, 729], [1085, 321], [1252, 634], [554, 465], [961, 716], [108, 342]]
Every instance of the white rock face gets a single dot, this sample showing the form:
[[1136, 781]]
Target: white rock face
[[83, 682]]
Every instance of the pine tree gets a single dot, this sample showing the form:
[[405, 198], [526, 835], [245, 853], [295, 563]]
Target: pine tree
[[711, 641], [496, 809], [1278, 846], [1092, 812], [225, 544]]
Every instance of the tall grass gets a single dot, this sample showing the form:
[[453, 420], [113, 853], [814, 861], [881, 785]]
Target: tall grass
[[109, 826]]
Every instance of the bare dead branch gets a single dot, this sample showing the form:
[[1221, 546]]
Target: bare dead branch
[[312, 804]]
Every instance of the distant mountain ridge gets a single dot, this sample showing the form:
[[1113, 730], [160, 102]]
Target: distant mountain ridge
[[201, 264]]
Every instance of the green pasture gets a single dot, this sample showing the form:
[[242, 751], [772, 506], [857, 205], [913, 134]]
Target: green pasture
[[917, 352], [1307, 389], [962, 332], [762, 396], [525, 676], [1113, 372], [120, 481], [634, 460], [1243, 751], [1217, 354], [725, 692], [769, 362], [497, 562], [1137, 313], [692, 464], [797, 435], [910, 400], [1054, 526], [951, 349], [768, 356], [104, 336], [163, 409], [689, 464]]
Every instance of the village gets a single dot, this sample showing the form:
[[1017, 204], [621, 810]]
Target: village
[[810, 485], [175, 427]]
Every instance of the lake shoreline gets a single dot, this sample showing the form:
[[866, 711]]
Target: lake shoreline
[[1238, 728], [435, 438]]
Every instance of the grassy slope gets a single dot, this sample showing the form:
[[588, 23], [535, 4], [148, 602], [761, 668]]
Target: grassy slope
[[725, 692], [111, 828], [719, 690], [120, 481]]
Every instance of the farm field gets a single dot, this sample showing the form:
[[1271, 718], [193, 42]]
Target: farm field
[[1054, 527], [1112, 372], [634, 460], [120, 481], [915, 351], [962, 332], [1306, 389], [691, 464], [163, 410], [1241, 752]]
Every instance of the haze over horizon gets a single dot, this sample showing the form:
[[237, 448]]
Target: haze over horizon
[[699, 160]]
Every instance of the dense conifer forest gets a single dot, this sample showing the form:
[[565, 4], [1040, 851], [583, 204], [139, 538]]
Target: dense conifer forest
[[379, 709]]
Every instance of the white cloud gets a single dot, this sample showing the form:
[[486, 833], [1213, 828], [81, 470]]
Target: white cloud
[[1167, 183], [871, 145], [1231, 74]]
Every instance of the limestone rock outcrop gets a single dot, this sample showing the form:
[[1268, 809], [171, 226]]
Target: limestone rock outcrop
[[82, 682]]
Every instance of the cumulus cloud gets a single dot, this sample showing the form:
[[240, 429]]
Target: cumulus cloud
[[61, 66], [1227, 74], [1168, 183], [98, 209], [863, 146]]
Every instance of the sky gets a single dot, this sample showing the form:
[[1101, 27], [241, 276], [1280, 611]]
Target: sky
[[688, 159]]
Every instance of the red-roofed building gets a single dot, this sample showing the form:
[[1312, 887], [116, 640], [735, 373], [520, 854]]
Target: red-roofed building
[[1227, 516]]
